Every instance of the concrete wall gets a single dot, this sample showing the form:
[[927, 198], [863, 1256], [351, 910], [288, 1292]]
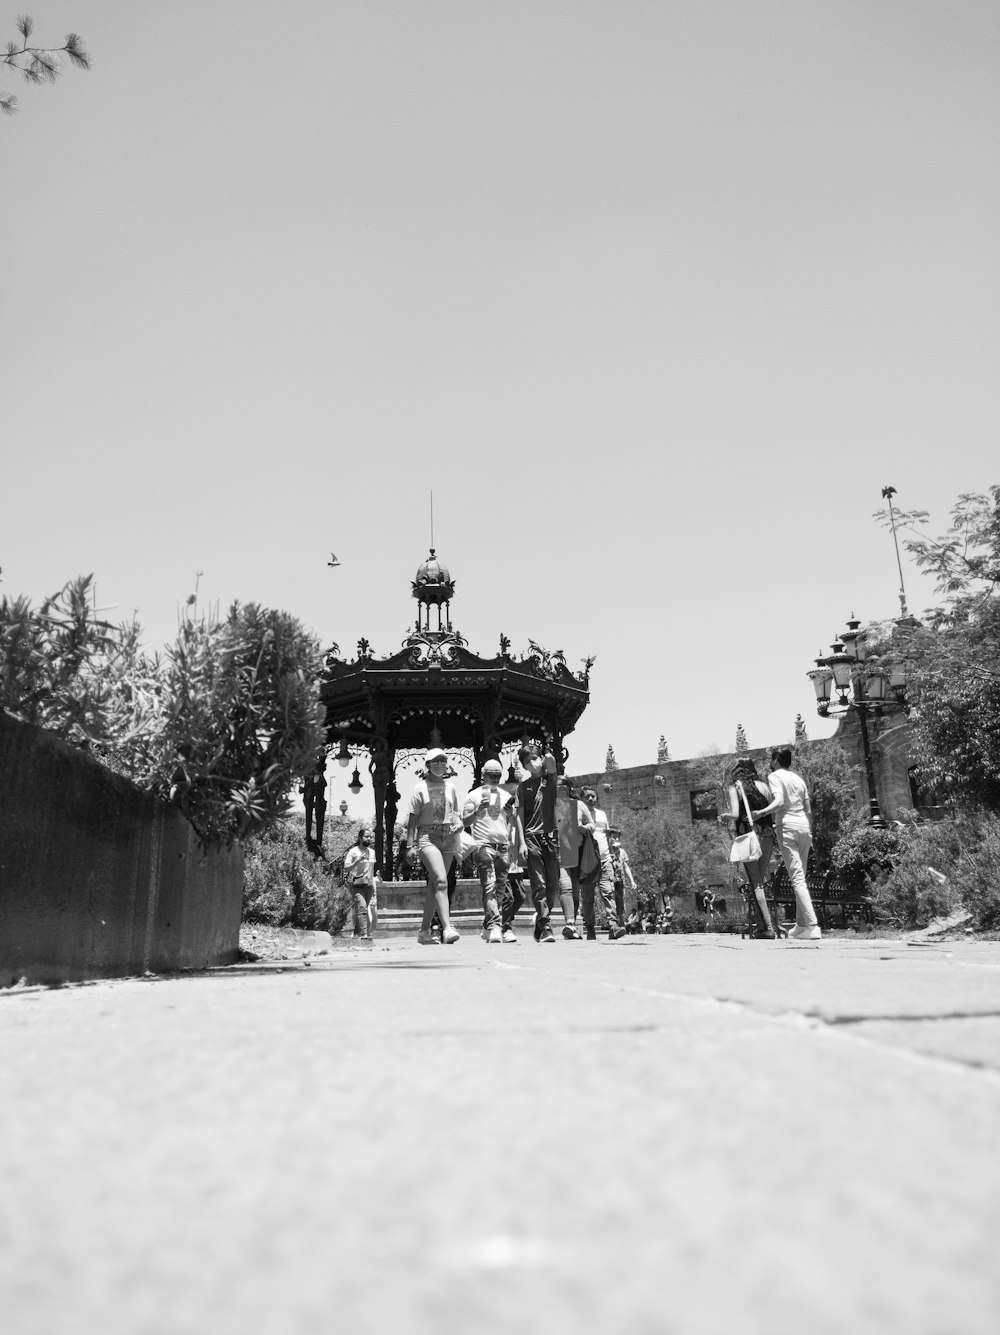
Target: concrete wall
[[98, 879]]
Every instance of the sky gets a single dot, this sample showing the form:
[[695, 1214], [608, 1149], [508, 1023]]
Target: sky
[[654, 297]]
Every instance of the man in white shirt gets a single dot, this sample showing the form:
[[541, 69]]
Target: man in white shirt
[[790, 803], [362, 881], [622, 868], [602, 878], [487, 816]]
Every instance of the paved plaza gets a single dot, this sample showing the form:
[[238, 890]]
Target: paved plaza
[[663, 1134]]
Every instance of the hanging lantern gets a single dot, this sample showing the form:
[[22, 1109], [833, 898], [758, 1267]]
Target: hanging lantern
[[344, 754], [821, 678], [841, 665], [355, 785], [875, 685]]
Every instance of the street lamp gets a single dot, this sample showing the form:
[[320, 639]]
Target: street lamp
[[862, 687]]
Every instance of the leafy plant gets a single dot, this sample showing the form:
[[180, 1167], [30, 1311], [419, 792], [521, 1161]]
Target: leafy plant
[[285, 886], [830, 778], [952, 662], [864, 854], [221, 725]]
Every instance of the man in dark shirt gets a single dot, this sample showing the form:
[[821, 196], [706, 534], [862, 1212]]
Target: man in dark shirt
[[536, 801]]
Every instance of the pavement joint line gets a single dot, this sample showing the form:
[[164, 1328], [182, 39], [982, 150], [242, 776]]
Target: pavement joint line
[[816, 1022], [910, 1019]]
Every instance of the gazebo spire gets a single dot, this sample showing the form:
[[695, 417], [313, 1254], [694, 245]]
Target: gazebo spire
[[433, 586]]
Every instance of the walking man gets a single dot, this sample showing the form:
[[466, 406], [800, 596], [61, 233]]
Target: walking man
[[602, 878], [536, 803], [622, 870], [790, 803], [485, 815]]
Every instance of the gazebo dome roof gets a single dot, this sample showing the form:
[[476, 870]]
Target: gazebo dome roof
[[433, 582], [433, 571]]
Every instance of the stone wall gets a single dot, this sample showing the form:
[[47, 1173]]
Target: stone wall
[[674, 784], [98, 879]]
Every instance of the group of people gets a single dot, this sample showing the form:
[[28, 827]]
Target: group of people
[[535, 826], [779, 811], [573, 859]]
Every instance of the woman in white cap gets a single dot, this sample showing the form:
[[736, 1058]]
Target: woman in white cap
[[432, 831]]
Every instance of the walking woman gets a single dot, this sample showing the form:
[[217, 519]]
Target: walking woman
[[748, 787], [432, 831]]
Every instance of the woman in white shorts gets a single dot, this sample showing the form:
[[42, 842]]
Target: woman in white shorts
[[432, 832]]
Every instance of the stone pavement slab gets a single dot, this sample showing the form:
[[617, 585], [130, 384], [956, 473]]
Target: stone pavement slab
[[659, 1135]]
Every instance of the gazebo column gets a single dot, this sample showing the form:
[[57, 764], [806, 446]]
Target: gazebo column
[[391, 808], [381, 777]]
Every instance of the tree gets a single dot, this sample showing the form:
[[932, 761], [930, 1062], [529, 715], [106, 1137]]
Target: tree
[[830, 778], [221, 725], [39, 64], [952, 661]]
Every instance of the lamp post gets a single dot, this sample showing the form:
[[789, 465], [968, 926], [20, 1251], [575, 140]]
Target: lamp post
[[861, 687]]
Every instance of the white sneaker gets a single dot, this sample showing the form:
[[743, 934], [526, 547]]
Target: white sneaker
[[805, 934], [495, 936], [508, 937], [485, 933]]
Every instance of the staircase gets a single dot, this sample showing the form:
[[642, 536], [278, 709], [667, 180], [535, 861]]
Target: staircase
[[401, 908]]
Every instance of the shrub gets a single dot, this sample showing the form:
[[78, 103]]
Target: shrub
[[221, 725], [865, 854], [918, 871], [284, 885]]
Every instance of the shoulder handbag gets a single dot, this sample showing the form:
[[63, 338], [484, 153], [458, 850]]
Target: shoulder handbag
[[746, 847], [590, 858]]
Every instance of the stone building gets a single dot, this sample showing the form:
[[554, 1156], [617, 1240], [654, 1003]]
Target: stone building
[[686, 789]]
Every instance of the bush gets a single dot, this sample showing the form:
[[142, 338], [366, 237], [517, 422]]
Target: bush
[[965, 850], [917, 871], [221, 725], [284, 885], [865, 854]]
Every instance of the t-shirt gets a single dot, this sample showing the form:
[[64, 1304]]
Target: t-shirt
[[790, 789], [537, 800], [433, 801], [571, 816], [490, 824], [601, 833], [359, 864]]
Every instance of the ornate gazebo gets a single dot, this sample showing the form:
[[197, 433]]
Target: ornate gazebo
[[436, 692]]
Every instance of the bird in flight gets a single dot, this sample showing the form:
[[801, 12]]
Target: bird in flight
[[333, 561]]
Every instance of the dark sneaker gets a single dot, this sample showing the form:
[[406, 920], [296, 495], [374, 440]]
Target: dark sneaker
[[546, 937], [616, 933], [571, 934], [591, 934]]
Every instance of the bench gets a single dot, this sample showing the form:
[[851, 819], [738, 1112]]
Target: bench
[[828, 895]]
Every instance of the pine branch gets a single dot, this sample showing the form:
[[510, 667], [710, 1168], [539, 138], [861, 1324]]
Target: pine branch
[[39, 64]]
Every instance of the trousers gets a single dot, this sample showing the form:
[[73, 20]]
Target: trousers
[[361, 896], [602, 878], [492, 864], [795, 846]]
